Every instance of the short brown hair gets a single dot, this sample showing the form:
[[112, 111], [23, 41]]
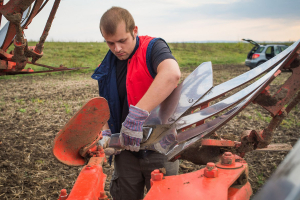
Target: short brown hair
[[112, 17]]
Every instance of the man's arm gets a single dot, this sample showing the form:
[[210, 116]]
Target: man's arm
[[166, 80], [105, 127]]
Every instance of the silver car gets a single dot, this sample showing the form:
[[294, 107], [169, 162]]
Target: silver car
[[261, 53]]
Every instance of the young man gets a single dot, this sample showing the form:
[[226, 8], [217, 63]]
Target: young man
[[136, 75]]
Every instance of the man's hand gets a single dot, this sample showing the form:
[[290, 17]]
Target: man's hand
[[131, 133], [104, 142]]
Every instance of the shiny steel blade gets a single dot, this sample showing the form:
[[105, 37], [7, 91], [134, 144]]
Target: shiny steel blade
[[183, 97], [209, 127], [189, 137], [206, 113], [246, 77], [222, 105]]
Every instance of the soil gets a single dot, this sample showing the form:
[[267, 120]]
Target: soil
[[34, 108]]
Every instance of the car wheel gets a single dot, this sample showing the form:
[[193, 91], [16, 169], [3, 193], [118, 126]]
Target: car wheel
[[259, 63]]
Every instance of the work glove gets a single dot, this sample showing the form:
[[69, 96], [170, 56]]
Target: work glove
[[111, 151], [163, 145], [104, 142], [131, 133]]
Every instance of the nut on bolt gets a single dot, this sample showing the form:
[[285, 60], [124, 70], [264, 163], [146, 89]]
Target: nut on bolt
[[88, 167], [211, 171], [102, 196], [156, 175], [63, 195], [228, 159]]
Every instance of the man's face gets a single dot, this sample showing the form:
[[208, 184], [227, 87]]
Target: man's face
[[121, 43]]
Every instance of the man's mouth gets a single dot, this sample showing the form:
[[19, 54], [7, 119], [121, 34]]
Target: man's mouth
[[120, 54]]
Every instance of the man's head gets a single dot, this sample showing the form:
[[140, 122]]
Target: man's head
[[119, 31]]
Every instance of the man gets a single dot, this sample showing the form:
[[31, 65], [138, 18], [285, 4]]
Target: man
[[136, 75]]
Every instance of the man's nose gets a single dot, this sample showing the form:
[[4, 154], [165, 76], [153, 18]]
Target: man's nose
[[117, 48]]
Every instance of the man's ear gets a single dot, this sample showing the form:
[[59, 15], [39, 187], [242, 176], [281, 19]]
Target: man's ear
[[135, 31]]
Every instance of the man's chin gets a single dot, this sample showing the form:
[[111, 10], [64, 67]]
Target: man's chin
[[123, 57]]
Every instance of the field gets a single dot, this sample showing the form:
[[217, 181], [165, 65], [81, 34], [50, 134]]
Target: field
[[34, 108]]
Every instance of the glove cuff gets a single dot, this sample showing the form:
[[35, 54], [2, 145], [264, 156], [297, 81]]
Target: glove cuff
[[106, 132], [136, 118]]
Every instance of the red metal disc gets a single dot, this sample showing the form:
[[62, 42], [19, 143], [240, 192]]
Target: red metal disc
[[233, 166], [82, 129]]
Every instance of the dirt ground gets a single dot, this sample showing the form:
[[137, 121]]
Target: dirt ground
[[34, 108]]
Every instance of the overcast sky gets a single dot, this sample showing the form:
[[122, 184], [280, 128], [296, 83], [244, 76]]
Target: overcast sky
[[177, 20]]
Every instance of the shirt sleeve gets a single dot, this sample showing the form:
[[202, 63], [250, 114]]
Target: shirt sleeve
[[160, 52]]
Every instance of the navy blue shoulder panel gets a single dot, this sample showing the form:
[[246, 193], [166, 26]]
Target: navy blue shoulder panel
[[148, 57], [104, 67], [106, 76]]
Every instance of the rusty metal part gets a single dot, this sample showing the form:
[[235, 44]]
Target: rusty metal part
[[284, 94], [8, 68], [90, 182], [211, 171], [40, 45], [218, 143], [63, 195], [13, 11], [19, 15], [228, 161], [209, 183], [293, 103], [87, 148], [267, 133], [81, 131], [276, 147]]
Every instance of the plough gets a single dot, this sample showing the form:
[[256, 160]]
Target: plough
[[20, 14], [185, 122]]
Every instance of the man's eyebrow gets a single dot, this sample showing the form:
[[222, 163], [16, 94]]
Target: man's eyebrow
[[121, 40]]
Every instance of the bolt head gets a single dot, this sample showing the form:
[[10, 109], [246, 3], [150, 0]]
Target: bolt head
[[88, 167], [213, 173], [156, 175], [228, 154], [63, 192], [228, 159], [210, 166]]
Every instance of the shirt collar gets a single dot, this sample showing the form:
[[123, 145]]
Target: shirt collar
[[135, 48]]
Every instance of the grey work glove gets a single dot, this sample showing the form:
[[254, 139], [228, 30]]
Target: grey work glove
[[131, 133], [111, 151], [104, 142]]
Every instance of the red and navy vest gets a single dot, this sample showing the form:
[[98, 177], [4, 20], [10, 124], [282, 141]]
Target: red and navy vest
[[140, 75]]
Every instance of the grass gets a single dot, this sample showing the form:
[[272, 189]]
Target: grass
[[90, 55], [190, 55]]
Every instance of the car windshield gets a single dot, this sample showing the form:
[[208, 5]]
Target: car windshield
[[259, 50]]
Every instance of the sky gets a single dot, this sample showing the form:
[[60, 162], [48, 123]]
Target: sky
[[176, 20]]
